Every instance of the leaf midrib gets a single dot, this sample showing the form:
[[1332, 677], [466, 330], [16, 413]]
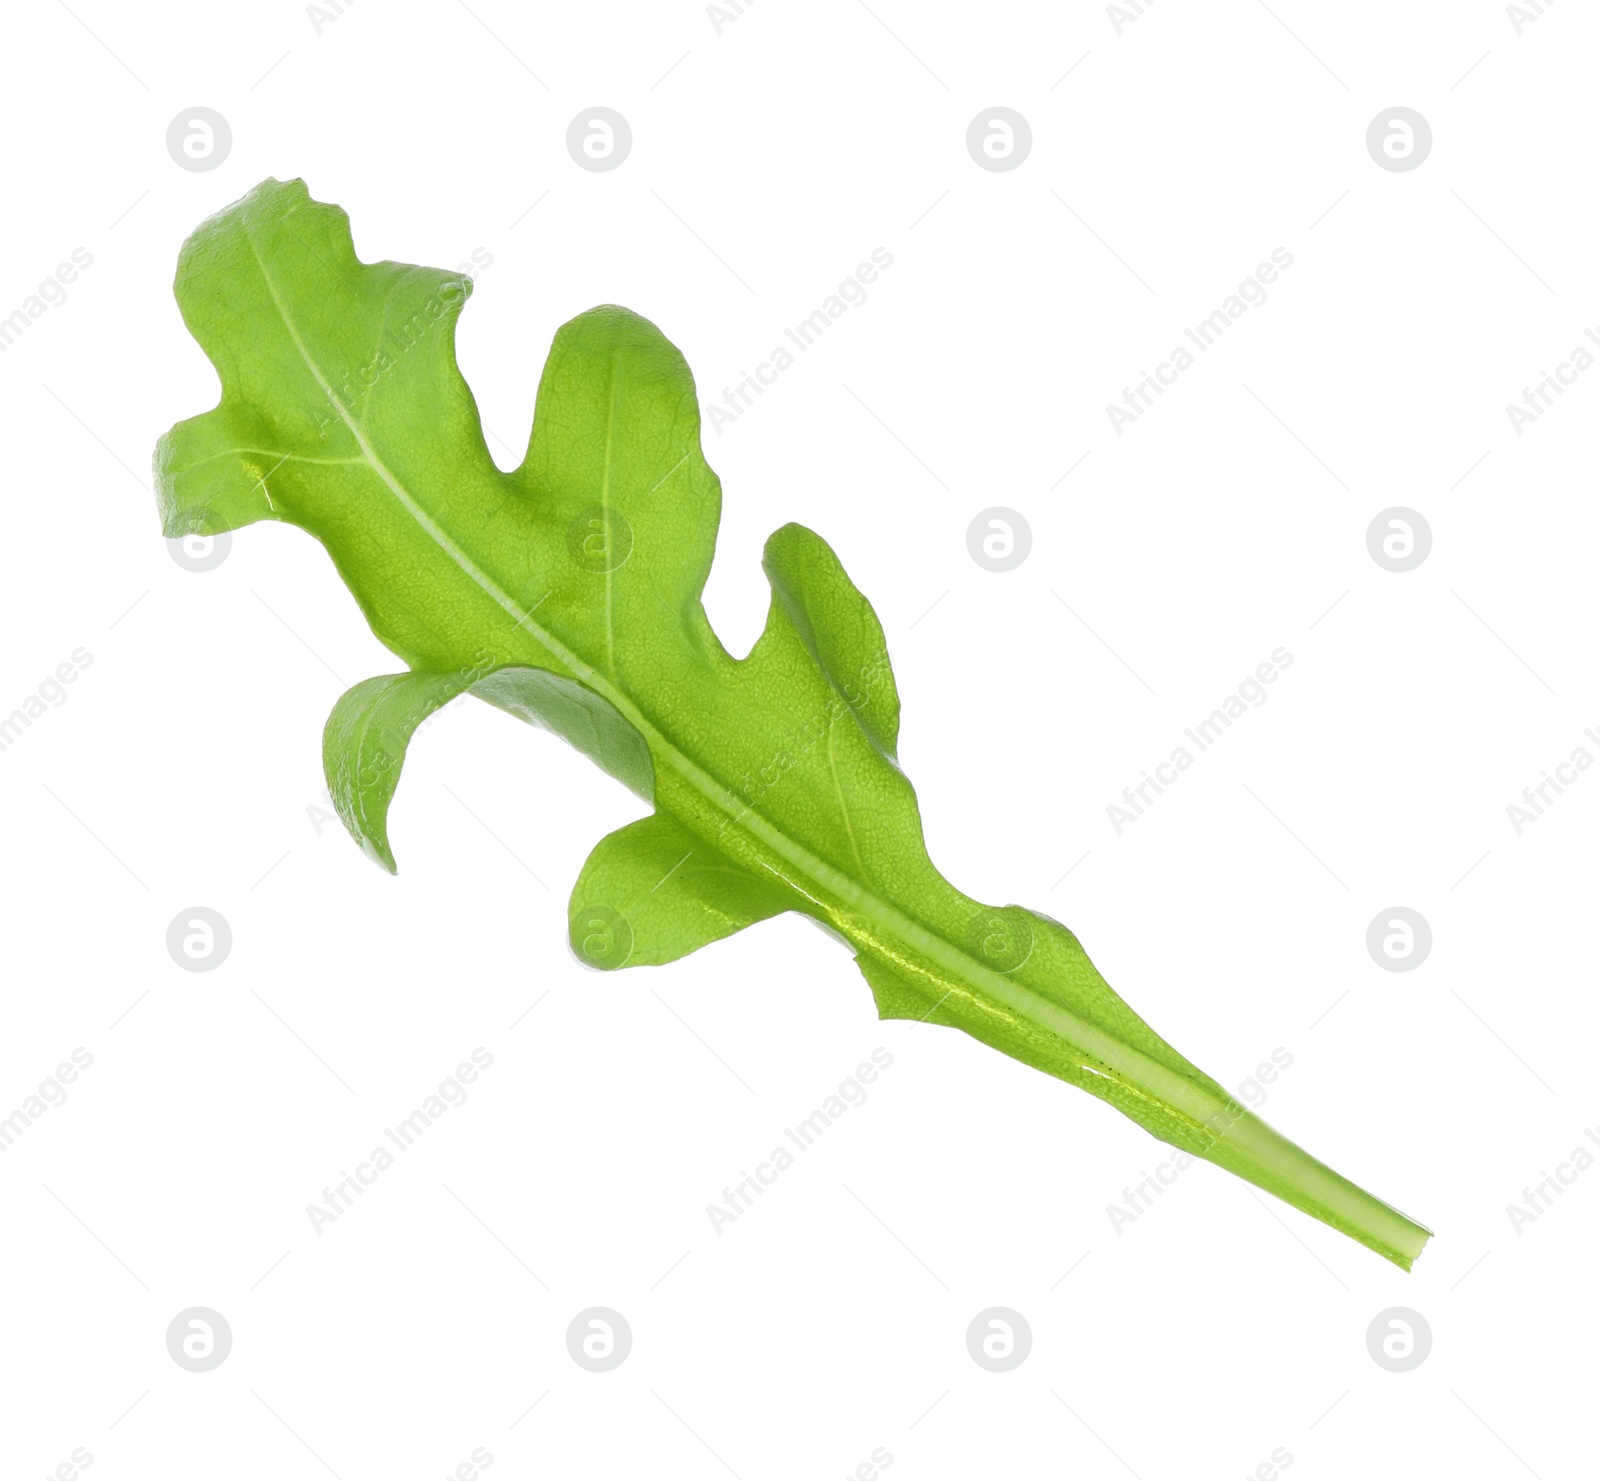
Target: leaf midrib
[[1137, 1068]]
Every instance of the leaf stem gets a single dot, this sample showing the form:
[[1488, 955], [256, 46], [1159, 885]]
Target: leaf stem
[[1209, 1124]]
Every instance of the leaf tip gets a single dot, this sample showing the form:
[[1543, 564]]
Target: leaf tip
[[378, 850], [599, 937]]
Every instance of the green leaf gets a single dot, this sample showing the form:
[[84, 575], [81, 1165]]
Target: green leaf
[[838, 627], [364, 746], [567, 592], [653, 892], [365, 740]]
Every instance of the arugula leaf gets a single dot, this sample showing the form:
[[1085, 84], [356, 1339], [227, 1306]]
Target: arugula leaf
[[568, 593]]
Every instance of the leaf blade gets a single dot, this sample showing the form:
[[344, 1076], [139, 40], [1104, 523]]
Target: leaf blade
[[653, 892], [584, 569]]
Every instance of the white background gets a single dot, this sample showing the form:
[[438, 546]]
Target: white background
[[768, 161]]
